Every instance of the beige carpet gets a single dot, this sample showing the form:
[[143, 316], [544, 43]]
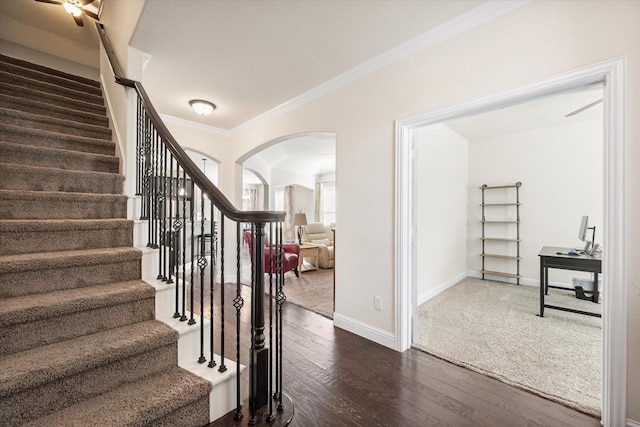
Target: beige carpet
[[492, 328], [313, 290]]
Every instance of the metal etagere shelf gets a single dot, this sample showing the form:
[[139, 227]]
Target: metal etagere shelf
[[486, 240]]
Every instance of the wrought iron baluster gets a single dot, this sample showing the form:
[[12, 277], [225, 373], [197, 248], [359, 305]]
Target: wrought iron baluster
[[177, 227], [202, 265], [280, 299], [172, 245], [271, 416], [276, 393], [183, 314], [139, 144], [192, 197], [222, 367], [147, 179], [145, 173], [238, 302], [212, 274], [154, 190], [162, 192]]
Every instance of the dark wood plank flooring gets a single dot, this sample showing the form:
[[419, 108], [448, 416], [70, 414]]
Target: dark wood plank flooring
[[336, 378]]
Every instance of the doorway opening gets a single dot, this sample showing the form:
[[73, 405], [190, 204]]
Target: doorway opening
[[298, 173], [491, 190], [611, 74]]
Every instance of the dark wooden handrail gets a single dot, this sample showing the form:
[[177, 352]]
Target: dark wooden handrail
[[198, 177]]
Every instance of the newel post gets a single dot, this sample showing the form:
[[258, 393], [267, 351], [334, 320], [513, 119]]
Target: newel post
[[259, 385]]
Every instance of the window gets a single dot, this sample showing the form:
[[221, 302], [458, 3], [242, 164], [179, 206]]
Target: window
[[328, 202]]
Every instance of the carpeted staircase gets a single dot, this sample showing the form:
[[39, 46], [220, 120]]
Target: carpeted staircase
[[79, 343]]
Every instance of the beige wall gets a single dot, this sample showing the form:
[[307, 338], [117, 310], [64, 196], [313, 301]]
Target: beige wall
[[441, 187], [536, 41], [556, 191]]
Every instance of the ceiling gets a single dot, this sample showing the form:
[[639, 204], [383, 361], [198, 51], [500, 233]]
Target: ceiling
[[313, 154], [539, 113], [53, 19], [251, 56]]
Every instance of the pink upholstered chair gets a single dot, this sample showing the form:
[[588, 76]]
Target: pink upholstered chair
[[291, 253]]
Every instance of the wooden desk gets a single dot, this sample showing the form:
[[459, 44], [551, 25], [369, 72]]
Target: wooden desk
[[308, 251], [553, 257]]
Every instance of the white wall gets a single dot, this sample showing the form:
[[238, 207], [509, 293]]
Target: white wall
[[202, 139], [304, 185], [30, 43], [304, 201], [442, 169], [20, 51], [280, 178], [538, 40], [561, 171]]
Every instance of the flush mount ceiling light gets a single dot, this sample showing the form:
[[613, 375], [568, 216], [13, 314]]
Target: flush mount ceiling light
[[72, 7], [203, 108]]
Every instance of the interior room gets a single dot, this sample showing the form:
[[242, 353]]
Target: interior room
[[93, 91], [297, 175], [542, 205]]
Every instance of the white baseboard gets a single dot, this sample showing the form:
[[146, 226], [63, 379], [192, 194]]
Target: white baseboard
[[631, 423], [426, 296], [369, 332], [523, 280]]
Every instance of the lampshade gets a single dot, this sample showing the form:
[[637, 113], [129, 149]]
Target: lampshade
[[299, 220], [203, 108]]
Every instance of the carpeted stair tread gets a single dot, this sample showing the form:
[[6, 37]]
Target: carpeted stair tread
[[52, 304], [49, 235], [33, 94], [16, 204], [37, 178], [36, 107], [36, 320], [71, 91], [46, 71], [150, 401], [44, 260], [43, 225], [30, 368], [36, 273], [47, 138], [45, 122], [57, 158]]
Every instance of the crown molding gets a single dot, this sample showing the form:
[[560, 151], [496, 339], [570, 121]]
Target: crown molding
[[476, 16], [193, 125]]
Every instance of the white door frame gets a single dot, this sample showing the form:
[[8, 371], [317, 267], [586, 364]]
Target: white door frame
[[612, 74]]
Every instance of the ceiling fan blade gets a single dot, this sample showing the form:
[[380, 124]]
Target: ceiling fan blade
[[50, 1], [586, 107], [78, 20], [91, 14]]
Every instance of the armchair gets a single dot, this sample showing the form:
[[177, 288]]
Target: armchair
[[291, 252], [317, 234]]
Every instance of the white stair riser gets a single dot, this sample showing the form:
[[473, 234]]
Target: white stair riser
[[223, 395], [222, 399]]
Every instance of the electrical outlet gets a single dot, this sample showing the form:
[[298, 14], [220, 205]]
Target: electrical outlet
[[377, 303]]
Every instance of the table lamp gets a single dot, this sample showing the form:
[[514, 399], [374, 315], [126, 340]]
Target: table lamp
[[299, 220]]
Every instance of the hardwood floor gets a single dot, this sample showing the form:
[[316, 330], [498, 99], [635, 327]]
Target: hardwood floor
[[336, 378]]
